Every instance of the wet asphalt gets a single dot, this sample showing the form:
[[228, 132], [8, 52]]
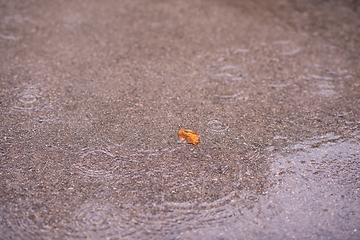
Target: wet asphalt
[[92, 94]]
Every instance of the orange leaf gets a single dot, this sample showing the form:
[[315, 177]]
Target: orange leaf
[[189, 135]]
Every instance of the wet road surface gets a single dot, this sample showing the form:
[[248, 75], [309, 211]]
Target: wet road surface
[[93, 93]]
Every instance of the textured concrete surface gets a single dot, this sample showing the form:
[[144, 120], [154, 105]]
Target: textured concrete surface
[[93, 93]]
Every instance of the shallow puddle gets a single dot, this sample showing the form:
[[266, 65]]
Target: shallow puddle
[[311, 190]]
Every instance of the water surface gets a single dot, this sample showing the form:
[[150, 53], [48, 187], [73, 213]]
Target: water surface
[[92, 97]]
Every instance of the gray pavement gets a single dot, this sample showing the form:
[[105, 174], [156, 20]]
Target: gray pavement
[[93, 94]]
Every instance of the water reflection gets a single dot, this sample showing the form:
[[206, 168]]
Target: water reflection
[[312, 182]]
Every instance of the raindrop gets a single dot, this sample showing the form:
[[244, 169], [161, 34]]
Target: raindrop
[[27, 97], [10, 37], [27, 219], [251, 198], [95, 217], [97, 163], [229, 67], [30, 99], [290, 53], [97, 221], [325, 89], [241, 50], [321, 77], [230, 72], [281, 42], [216, 126]]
